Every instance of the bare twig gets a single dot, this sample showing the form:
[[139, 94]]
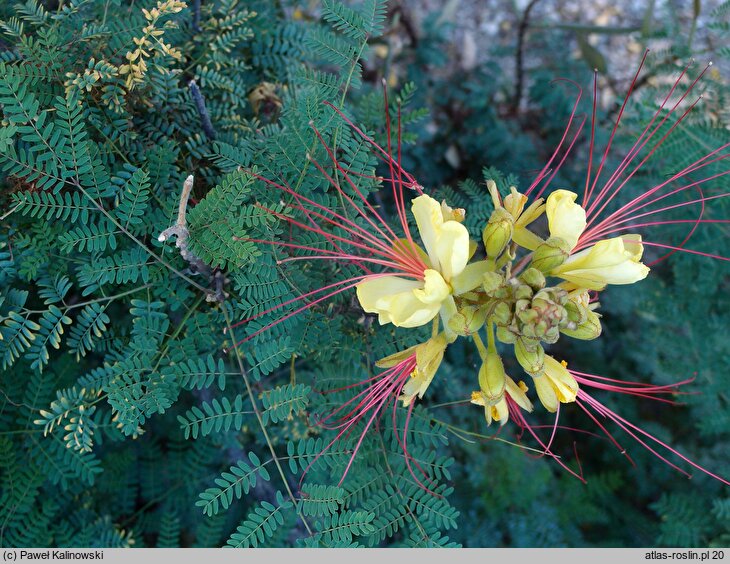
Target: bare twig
[[180, 231], [180, 228], [144, 247], [519, 57], [205, 122], [196, 16]]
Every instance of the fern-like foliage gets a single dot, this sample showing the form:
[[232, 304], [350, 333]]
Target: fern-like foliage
[[143, 378], [260, 524], [282, 401], [214, 417], [233, 484]]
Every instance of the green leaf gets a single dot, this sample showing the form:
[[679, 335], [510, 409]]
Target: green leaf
[[133, 200], [17, 333], [91, 323], [214, 417], [49, 334], [260, 524], [280, 402], [232, 485]]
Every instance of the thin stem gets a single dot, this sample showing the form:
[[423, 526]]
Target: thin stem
[[458, 431], [519, 56], [97, 300], [491, 346], [9, 212], [480, 345], [257, 412], [177, 331]]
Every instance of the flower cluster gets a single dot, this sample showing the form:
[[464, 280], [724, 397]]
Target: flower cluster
[[515, 293], [512, 302]]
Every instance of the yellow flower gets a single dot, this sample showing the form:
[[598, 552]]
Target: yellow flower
[[499, 410], [403, 302], [515, 205], [555, 384], [428, 359], [412, 303], [566, 219], [611, 261], [514, 202], [446, 240]]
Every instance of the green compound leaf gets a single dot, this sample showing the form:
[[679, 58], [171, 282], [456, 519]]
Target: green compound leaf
[[260, 524], [214, 417], [282, 401], [233, 484]]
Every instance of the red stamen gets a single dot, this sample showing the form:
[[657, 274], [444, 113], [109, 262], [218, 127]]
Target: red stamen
[[618, 120], [637, 146], [546, 169], [587, 190]]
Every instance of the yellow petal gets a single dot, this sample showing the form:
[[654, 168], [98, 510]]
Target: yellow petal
[[533, 211], [565, 386], [473, 245], [500, 412], [452, 214], [526, 238], [566, 219], [408, 311], [371, 292], [517, 394], [428, 359], [434, 290], [413, 388], [430, 354], [632, 245], [471, 277], [429, 219], [611, 261], [446, 241], [447, 311], [546, 393], [515, 202], [396, 358], [394, 300], [452, 248]]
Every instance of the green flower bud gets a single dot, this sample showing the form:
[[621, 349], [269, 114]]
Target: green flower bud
[[529, 331], [467, 320], [550, 311], [523, 292], [492, 378], [550, 254], [551, 335], [522, 305], [530, 355], [493, 281], [541, 327], [556, 295], [575, 313], [587, 330], [505, 335], [498, 232], [533, 278], [527, 316], [502, 314]]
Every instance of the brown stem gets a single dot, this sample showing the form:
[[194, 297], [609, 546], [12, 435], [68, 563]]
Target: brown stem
[[519, 57]]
